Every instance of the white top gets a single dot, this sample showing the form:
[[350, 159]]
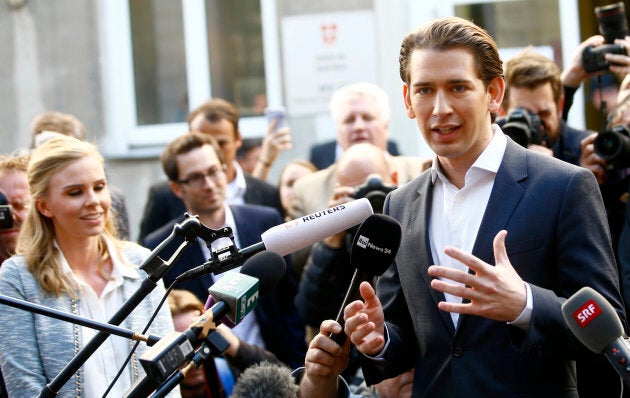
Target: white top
[[101, 368], [456, 213], [248, 329], [235, 190]]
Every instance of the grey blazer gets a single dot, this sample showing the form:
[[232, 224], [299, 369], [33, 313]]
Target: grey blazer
[[35, 348]]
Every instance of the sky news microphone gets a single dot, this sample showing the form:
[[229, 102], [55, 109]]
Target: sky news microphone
[[236, 294], [292, 235], [373, 250], [595, 323]]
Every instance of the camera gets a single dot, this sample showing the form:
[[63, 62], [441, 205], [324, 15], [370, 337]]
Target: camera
[[614, 145], [375, 191], [6, 213], [523, 127], [612, 25]]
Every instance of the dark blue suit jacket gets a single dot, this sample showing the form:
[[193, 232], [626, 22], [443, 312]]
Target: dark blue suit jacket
[[557, 241], [282, 331]]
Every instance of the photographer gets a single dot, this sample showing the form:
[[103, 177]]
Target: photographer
[[327, 273], [533, 84]]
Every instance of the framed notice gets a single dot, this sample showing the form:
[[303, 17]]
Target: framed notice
[[322, 52]]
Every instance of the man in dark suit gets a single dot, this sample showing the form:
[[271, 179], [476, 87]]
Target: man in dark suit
[[495, 238], [326, 153], [218, 118], [196, 172]]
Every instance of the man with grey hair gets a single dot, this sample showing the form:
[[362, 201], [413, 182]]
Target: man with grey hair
[[361, 114]]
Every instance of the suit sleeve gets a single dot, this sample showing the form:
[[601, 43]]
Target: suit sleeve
[[584, 257]]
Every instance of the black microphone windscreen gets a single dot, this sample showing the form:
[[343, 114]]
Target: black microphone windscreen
[[268, 267], [375, 244], [3, 200], [265, 380], [592, 319]]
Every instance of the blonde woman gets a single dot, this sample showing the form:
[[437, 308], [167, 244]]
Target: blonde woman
[[69, 258]]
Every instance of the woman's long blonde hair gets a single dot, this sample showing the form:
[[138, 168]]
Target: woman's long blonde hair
[[37, 233]]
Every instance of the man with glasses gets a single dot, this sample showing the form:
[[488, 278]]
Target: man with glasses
[[219, 119], [196, 172]]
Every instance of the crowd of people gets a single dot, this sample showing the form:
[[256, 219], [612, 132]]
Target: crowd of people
[[501, 226]]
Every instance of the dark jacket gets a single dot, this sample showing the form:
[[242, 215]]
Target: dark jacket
[[280, 326], [557, 241]]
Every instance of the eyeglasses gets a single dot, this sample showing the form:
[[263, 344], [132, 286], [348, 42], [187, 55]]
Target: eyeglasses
[[197, 180]]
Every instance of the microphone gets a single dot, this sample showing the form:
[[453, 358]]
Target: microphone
[[594, 322], [236, 296], [373, 250], [292, 235]]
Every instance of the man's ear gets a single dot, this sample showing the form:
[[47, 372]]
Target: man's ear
[[411, 114], [496, 89], [177, 189], [43, 207]]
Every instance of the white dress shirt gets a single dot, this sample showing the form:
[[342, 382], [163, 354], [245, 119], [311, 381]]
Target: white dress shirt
[[101, 368]]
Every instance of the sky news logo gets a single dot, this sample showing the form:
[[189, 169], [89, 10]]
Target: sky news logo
[[364, 243]]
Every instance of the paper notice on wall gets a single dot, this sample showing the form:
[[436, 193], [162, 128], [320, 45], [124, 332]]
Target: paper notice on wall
[[322, 52]]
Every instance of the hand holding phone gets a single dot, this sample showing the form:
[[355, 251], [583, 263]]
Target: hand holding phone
[[276, 113]]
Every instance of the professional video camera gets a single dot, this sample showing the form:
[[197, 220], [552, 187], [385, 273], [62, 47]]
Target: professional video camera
[[523, 127], [612, 25], [6, 213], [614, 146], [375, 191]]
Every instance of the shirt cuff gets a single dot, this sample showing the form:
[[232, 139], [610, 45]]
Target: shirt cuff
[[523, 320], [380, 357]]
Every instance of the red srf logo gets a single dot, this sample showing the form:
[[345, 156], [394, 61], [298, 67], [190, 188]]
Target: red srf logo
[[586, 313]]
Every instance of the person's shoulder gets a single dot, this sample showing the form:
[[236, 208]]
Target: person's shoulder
[[160, 187], [253, 210], [316, 179], [134, 251], [252, 182], [13, 265], [155, 237]]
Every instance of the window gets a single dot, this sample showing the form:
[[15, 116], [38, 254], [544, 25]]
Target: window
[[163, 57]]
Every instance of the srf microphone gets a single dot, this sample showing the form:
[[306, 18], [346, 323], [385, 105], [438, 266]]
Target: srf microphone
[[594, 322], [236, 295], [292, 235], [373, 250]]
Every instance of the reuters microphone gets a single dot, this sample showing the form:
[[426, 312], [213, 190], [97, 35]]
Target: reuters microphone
[[292, 235], [594, 322]]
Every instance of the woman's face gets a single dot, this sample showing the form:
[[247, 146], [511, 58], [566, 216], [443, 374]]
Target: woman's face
[[77, 200], [290, 174]]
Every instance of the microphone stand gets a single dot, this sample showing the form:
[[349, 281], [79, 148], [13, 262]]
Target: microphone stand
[[63, 316], [155, 268]]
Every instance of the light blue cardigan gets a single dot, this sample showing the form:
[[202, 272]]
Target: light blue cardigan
[[35, 348]]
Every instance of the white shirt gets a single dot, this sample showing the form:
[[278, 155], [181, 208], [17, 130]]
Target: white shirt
[[456, 213], [248, 329], [235, 190], [101, 368]]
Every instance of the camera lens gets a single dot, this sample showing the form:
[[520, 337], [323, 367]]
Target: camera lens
[[612, 21]]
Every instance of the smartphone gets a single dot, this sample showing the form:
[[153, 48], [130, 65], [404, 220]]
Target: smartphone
[[276, 112]]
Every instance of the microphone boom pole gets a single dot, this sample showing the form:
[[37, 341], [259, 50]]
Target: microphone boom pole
[[64, 316]]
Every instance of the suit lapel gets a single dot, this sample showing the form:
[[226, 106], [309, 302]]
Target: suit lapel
[[506, 193], [416, 227]]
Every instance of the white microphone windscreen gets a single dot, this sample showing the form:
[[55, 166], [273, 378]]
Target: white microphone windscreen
[[302, 232]]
